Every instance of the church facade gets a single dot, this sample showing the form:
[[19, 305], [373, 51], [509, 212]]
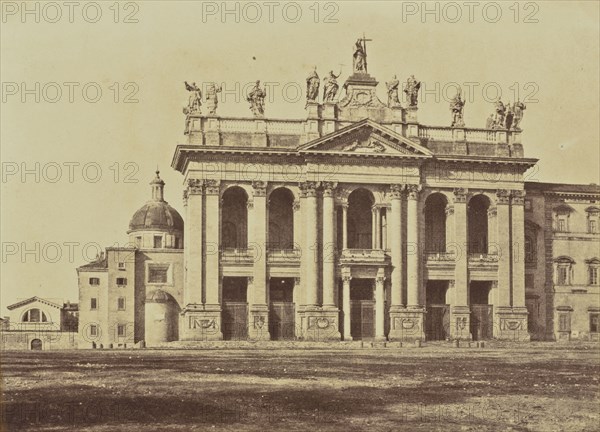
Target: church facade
[[355, 222]]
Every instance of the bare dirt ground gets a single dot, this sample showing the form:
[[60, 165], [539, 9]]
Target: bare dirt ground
[[503, 387]]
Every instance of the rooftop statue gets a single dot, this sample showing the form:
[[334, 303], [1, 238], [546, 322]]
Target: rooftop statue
[[313, 83], [457, 105], [195, 99], [212, 101], [500, 114], [412, 91], [330, 87], [392, 89], [360, 56], [256, 97], [518, 109]]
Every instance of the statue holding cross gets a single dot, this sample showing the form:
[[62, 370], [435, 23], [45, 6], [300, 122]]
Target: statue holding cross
[[360, 55]]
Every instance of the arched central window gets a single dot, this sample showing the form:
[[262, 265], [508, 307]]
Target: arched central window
[[281, 219], [478, 224], [34, 315], [360, 219], [234, 216], [435, 223]]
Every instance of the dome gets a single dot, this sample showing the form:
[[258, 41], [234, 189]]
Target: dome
[[156, 214]]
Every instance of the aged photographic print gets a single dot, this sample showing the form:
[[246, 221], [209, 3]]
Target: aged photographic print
[[290, 215]]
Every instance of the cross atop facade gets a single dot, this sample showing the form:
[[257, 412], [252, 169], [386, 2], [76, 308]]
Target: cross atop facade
[[364, 43]]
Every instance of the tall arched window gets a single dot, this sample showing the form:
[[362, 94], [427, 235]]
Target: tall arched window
[[281, 219], [435, 223], [360, 219], [234, 216], [478, 224]]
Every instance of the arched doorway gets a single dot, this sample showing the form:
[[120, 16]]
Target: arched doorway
[[234, 217], [360, 219], [281, 219], [36, 345], [435, 223], [477, 216]]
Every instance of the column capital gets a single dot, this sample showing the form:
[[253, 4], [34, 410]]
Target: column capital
[[396, 191], [449, 209], [328, 188], [308, 189], [259, 188], [297, 281], [250, 280], [346, 278], [492, 212], [342, 194], [518, 197], [413, 191], [250, 204], [195, 187], [185, 197], [296, 205], [502, 197], [212, 187], [460, 195]]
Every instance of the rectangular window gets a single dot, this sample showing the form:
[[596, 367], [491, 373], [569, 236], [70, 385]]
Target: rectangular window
[[564, 322], [121, 281], [93, 330], [157, 273], [121, 266], [121, 330], [562, 275], [562, 225], [93, 303], [594, 322], [158, 242], [138, 242], [593, 273], [121, 303], [94, 281], [592, 226]]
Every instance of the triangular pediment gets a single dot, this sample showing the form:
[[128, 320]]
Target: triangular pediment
[[366, 138], [34, 299]]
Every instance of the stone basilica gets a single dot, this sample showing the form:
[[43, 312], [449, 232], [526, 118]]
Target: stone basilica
[[355, 222]]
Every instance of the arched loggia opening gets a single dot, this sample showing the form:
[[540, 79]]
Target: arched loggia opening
[[234, 216], [435, 223], [477, 216], [360, 219], [281, 219]]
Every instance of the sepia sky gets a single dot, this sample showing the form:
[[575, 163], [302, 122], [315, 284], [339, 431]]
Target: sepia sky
[[96, 153]]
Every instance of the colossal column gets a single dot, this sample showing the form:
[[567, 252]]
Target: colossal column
[[329, 246], [259, 310], [309, 249], [211, 250], [193, 243], [503, 237], [394, 221], [519, 310], [460, 311], [412, 241]]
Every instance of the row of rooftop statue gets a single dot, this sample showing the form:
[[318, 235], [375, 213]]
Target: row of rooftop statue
[[505, 116]]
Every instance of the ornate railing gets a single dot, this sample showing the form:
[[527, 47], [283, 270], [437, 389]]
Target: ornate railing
[[283, 256], [237, 255], [483, 258], [440, 256], [364, 255]]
